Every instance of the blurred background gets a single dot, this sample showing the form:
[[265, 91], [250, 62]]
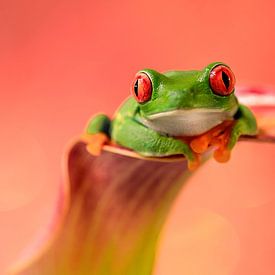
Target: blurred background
[[62, 61]]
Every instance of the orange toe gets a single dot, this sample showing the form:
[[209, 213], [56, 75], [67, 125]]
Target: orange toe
[[194, 164], [222, 154], [213, 137], [95, 143], [200, 144]]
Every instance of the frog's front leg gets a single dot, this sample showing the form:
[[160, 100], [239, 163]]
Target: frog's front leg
[[245, 125], [147, 142], [97, 133]]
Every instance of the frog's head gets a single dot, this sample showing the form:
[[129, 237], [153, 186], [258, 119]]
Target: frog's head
[[186, 95]]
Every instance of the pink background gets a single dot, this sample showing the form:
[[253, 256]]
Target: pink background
[[62, 61]]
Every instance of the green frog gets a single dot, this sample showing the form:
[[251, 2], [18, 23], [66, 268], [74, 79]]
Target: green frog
[[177, 113]]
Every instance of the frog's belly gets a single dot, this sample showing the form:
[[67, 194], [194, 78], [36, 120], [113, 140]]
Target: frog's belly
[[187, 122]]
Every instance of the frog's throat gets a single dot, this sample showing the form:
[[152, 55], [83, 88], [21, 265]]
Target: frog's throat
[[187, 122]]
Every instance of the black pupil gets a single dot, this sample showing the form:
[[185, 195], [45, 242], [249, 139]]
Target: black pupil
[[226, 80], [136, 88]]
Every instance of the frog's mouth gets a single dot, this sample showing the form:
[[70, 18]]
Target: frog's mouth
[[188, 122]]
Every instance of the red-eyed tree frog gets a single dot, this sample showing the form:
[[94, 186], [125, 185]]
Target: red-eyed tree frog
[[177, 113]]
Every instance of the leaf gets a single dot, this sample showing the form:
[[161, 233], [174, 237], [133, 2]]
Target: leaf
[[112, 207]]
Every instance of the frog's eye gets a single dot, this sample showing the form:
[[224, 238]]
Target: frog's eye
[[222, 80], [142, 88]]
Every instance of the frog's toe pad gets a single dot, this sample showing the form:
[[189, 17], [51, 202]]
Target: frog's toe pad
[[222, 155], [200, 144], [96, 142], [195, 163]]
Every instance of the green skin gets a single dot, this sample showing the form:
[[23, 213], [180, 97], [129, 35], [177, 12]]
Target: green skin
[[173, 91]]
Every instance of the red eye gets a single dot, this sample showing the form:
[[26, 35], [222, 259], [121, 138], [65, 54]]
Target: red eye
[[142, 88], [222, 80]]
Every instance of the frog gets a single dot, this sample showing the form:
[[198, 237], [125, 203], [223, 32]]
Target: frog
[[176, 113]]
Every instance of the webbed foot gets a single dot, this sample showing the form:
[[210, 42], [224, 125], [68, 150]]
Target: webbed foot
[[95, 142], [218, 137], [195, 163]]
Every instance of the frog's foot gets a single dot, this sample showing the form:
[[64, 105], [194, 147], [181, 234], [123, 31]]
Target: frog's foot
[[200, 144], [219, 137], [95, 142], [194, 163], [222, 153]]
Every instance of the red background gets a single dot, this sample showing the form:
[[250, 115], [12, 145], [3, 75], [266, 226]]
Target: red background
[[62, 61]]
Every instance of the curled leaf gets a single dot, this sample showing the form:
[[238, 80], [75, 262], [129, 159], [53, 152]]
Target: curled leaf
[[112, 207], [116, 209]]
